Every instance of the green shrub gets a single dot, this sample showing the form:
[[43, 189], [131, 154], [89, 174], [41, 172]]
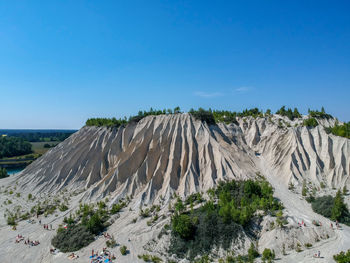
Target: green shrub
[[304, 189], [111, 243], [310, 198], [145, 213], [308, 245], [310, 122], [340, 130], [73, 238], [340, 210], [333, 208], [11, 219], [183, 226], [291, 186], [150, 258], [252, 253], [95, 224], [268, 255], [203, 115], [63, 208], [117, 207], [123, 250], [342, 257], [323, 205]]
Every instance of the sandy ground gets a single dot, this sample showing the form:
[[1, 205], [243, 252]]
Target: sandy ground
[[133, 235], [136, 235]]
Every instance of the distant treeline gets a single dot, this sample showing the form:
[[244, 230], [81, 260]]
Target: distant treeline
[[41, 136], [13, 146]]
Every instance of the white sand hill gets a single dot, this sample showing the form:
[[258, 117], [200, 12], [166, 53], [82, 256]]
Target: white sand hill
[[167, 154]]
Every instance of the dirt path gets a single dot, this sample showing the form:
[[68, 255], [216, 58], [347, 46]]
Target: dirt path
[[301, 210]]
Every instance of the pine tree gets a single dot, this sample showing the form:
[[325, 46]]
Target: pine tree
[[339, 207]]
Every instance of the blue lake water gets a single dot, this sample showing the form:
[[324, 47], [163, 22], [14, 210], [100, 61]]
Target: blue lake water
[[14, 171]]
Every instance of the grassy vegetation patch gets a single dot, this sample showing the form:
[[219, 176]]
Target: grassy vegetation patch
[[73, 238], [220, 220], [342, 257]]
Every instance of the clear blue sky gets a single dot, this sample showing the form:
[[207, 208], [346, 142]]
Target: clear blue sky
[[62, 62]]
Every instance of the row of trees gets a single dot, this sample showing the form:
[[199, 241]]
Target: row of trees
[[13, 146], [291, 114], [212, 117], [40, 136], [209, 116], [319, 114], [114, 122]]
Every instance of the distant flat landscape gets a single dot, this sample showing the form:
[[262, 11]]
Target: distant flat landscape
[[41, 141]]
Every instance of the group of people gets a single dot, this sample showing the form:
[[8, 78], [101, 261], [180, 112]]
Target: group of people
[[46, 226], [73, 256], [31, 243], [54, 251], [106, 235], [19, 238], [336, 225], [302, 223], [317, 255], [105, 256], [317, 223]]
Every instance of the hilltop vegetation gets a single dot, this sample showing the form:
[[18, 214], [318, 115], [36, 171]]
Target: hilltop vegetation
[[114, 122], [212, 117], [319, 114], [289, 113], [340, 130]]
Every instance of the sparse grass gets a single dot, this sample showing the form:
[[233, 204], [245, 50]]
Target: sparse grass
[[150, 258], [111, 243], [308, 245]]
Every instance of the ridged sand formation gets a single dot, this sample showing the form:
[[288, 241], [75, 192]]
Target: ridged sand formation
[[167, 153], [160, 155]]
